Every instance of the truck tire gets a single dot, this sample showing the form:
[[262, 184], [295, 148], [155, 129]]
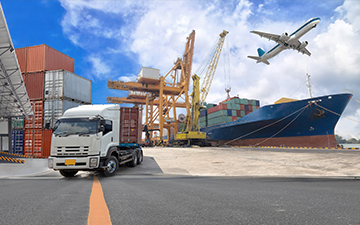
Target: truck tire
[[140, 156], [112, 166], [68, 173], [134, 161]]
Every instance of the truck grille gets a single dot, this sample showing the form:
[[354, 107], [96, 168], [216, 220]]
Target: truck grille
[[73, 150]]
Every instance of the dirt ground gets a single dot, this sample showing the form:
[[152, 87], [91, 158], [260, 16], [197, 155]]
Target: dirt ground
[[237, 161]]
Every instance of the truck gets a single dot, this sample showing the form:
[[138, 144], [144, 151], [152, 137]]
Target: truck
[[96, 138]]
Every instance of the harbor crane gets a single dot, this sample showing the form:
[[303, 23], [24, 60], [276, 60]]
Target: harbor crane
[[193, 135]]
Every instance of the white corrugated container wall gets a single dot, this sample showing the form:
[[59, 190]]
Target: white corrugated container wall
[[64, 84], [54, 108], [151, 73]]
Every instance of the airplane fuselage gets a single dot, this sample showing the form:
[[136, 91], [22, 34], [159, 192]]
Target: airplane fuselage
[[286, 41]]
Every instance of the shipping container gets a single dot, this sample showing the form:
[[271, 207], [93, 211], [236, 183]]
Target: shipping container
[[42, 58], [46, 143], [242, 113], [217, 108], [234, 118], [203, 112], [62, 84], [54, 108], [32, 142], [238, 114], [129, 125], [243, 101], [37, 143], [210, 105], [229, 112], [254, 108], [36, 121], [18, 141], [34, 83], [246, 108], [216, 114], [148, 75], [17, 122], [242, 107]]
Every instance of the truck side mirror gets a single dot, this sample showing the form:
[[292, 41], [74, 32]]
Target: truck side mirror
[[101, 128]]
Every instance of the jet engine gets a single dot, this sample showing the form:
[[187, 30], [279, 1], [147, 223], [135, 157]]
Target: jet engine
[[303, 45], [284, 37]]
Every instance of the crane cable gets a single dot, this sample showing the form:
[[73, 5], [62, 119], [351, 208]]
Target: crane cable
[[261, 128]]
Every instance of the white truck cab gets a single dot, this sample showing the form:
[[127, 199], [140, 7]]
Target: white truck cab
[[87, 138]]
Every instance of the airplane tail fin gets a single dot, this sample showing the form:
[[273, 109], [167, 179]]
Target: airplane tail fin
[[258, 59], [260, 52]]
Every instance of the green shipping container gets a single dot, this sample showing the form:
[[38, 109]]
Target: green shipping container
[[244, 101], [254, 107], [17, 123], [233, 112], [242, 113], [217, 114]]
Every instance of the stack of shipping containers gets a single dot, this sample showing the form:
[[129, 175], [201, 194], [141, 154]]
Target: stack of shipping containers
[[35, 63], [227, 111], [17, 135]]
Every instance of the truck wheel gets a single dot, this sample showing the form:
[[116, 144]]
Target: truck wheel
[[140, 157], [134, 161], [68, 173], [112, 165]]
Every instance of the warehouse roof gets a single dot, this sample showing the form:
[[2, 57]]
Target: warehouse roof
[[14, 100]]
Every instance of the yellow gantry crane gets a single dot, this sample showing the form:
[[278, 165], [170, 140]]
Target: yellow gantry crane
[[161, 98], [193, 135]]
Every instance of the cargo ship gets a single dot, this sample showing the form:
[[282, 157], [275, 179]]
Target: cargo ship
[[287, 123]]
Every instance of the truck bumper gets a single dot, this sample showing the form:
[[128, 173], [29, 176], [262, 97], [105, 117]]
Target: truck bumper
[[74, 163]]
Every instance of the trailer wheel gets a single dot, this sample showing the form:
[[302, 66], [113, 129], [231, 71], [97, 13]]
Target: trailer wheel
[[112, 165], [134, 161], [68, 173], [140, 157]]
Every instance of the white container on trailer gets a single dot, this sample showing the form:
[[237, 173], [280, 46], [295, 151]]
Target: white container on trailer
[[62, 84]]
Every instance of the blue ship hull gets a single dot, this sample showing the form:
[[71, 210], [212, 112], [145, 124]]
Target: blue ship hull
[[304, 123]]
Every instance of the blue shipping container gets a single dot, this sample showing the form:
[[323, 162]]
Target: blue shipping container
[[229, 112], [203, 113], [18, 142], [246, 108]]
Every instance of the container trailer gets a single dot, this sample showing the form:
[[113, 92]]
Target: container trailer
[[96, 138]]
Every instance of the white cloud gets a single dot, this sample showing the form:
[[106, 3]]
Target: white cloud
[[155, 33]]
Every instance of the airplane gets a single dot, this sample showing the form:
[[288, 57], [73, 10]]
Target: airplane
[[285, 41]]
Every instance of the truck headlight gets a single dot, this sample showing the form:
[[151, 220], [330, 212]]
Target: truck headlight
[[51, 163], [93, 162]]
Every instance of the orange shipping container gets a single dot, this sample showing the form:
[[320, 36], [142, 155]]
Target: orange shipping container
[[37, 143], [43, 58], [34, 83], [46, 143], [36, 121]]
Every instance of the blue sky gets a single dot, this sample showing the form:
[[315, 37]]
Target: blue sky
[[114, 39]]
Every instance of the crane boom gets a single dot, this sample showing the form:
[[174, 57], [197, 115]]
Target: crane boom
[[208, 78]]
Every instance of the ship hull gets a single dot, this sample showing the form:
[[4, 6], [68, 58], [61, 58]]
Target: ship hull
[[303, 123]]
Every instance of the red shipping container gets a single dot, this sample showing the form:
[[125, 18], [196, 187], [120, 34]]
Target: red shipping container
[[129, 125], [36, 121], [42, 58], [34, 83], [238, 113], [242, 107], [247, 112], [46, 143], [217, 108], [234, 118], [32, 142], [37, 143]]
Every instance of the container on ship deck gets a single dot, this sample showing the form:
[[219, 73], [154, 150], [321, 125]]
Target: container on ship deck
[[62, 84], [217, 108], [42, 58], [54, 108]]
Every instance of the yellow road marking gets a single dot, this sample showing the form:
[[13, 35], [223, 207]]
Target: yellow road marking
[[98, 210]]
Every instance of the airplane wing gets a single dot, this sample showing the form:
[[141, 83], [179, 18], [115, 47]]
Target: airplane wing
[[280, 39], [300, 49]]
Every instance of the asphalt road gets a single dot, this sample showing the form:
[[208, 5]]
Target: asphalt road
[[145, 195]]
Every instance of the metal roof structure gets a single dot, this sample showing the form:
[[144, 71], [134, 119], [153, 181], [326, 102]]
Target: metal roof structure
[[14, 99]]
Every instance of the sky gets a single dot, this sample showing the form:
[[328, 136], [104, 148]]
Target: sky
[[114, 39]]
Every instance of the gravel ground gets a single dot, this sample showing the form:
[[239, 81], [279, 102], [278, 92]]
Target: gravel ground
[[237, 161]]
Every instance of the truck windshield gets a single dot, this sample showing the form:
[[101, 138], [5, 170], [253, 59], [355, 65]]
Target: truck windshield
[[75, 126]]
